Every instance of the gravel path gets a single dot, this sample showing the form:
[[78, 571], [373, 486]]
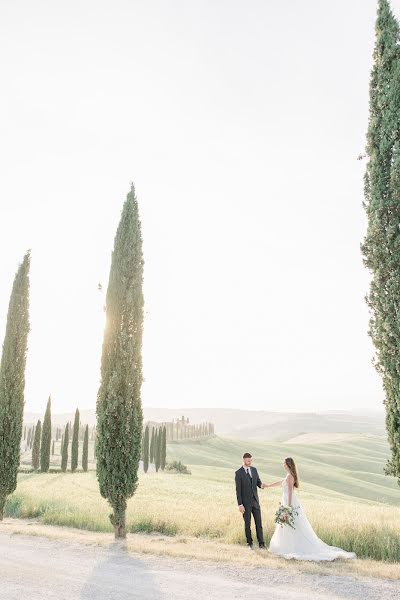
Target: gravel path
[[37, 568]]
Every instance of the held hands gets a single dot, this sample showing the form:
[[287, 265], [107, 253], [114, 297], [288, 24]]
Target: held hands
[[264, 485]]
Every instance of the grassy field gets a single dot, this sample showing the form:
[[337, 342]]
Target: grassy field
[[349, 501]]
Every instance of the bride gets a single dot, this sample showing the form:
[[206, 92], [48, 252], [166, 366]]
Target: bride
[[301, 543]]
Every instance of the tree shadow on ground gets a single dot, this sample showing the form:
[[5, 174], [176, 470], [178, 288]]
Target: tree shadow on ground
[[120, 576]]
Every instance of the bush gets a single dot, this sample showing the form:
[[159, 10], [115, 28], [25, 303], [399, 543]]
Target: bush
[[177, 467]]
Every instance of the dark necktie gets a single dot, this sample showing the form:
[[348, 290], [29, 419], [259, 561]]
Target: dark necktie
[[248, 474]]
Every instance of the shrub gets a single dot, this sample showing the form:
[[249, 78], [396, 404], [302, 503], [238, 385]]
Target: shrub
[[177, 467]]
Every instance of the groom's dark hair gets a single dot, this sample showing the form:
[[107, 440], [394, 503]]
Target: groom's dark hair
[[247, 455]]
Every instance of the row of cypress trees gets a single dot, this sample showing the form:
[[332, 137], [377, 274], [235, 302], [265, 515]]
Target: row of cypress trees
[[42, 445], [154, 448], [65, 441]]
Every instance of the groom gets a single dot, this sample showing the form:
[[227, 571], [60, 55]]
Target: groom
[[247, 481]]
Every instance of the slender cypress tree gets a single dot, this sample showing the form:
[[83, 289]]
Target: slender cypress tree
[[46, 439], [32, 437], [52, 449], [28, 439], [146, 450], [158, 449], [163, 460], [151, 453], [64, 455], [61, 445], [381, 247], [12, 381], [36, 446], [119, 407], [85, 449], [75, 443], [155, 447]]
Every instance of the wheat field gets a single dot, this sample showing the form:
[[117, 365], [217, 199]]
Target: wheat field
[[349, 502]]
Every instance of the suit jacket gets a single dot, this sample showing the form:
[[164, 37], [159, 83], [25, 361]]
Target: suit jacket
[[246, 489]]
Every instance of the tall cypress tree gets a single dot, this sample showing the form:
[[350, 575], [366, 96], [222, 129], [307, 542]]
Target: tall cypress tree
[[52, 449], [158, 444], [155, 447], [163, 460], [75, 443], [46, 439], [64, 454], [146, 450], [12, 381], [151, 453], [381, 247], [85, 449], [32, 437], [119, 407], [36, 446]]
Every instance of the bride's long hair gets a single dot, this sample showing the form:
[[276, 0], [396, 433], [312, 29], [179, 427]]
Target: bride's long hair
[[289, 462]]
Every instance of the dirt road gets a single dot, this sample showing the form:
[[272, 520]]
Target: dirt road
[[41, 569]]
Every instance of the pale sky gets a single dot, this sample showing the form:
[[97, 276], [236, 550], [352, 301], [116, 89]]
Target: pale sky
[[240, 124]]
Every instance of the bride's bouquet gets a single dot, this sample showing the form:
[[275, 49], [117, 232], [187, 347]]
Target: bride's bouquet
[[285, 515]]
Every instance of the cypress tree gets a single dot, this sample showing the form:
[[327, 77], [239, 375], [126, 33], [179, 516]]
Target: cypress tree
[[46, 439], [381, 247], [163, 460], [24, 433], [85, 450], [61, 445], [28, 440], [32, 437], [155, 447], [146, 450], [52, 449], [64, 455], [119, 407], [158, 449], [12, 381], [75, 443], [36, 446], [151, 453], [142, 447]]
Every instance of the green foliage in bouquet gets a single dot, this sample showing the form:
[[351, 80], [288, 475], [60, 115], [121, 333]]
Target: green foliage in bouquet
[[286, 515]]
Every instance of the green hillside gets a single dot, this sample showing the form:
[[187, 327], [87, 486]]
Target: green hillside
[[353, 469]]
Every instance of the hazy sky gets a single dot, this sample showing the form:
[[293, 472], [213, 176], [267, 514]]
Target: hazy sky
[[240, 124]]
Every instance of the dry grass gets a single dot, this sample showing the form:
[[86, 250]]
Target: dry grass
[[175, 505], [189, 548]]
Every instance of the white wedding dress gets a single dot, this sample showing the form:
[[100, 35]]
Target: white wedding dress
[[301, 543]]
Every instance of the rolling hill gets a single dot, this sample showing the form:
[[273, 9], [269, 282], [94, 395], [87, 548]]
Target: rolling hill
[[250, 424]]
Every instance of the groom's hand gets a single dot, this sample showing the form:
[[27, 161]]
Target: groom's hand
[[264, 485], [241, 508]]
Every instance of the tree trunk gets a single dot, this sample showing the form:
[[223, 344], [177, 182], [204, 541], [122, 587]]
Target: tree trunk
[[2, 503], [119, 524]]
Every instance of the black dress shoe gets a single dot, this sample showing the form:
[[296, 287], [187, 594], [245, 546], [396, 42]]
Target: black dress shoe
[[262, 547], [250, 546]]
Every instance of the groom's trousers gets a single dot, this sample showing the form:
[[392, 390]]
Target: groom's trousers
[[254, 510]]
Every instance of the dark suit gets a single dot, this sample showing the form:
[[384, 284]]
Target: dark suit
[[247, 494]]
